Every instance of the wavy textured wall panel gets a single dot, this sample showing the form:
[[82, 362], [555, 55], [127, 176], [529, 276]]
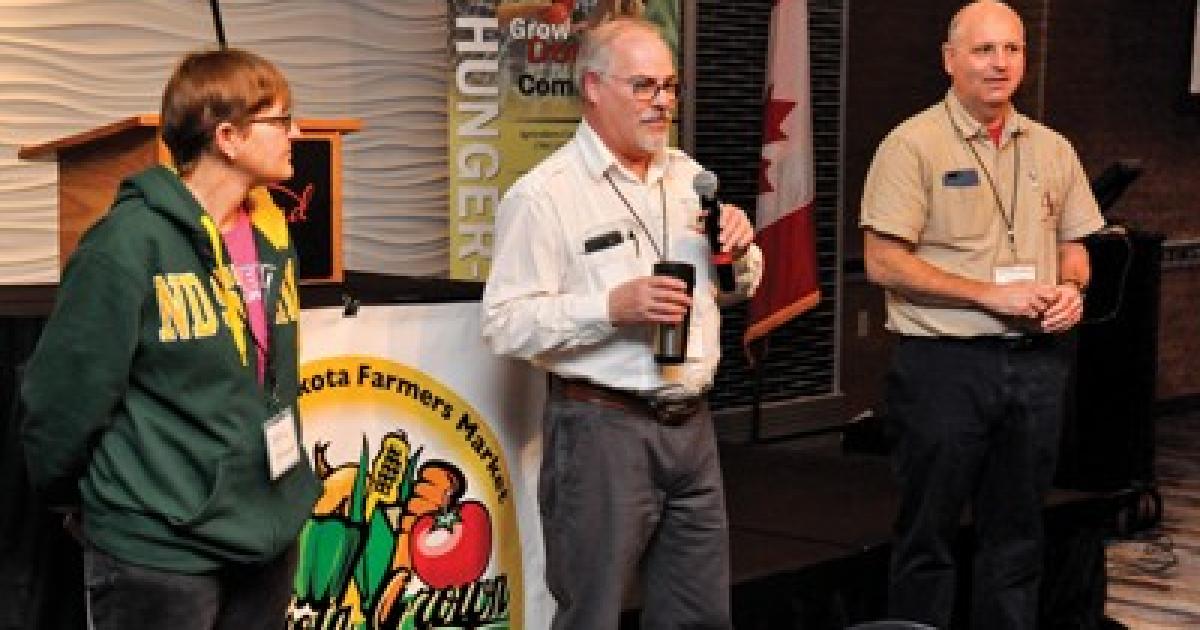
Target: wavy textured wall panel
[[68, 65]]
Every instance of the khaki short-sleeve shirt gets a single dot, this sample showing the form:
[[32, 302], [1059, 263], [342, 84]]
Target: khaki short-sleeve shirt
[[957, 208]]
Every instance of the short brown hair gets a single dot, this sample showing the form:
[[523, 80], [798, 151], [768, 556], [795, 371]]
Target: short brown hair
[[210, 87]]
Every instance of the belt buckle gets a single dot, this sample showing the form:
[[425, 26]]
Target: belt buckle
[[673, 413], [1016, 341]]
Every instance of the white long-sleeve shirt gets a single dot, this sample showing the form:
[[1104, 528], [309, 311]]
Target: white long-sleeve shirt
[[546, 299]]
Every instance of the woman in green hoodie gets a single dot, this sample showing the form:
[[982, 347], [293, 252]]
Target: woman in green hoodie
[[161, 397]]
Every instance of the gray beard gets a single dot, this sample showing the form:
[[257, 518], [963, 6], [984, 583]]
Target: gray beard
[[655, 144]]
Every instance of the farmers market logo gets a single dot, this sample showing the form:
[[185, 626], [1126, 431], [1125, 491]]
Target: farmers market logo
[[415, 527]]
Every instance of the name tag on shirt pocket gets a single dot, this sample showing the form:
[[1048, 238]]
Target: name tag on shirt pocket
[[962, 178], [609, 255], [603, 241]]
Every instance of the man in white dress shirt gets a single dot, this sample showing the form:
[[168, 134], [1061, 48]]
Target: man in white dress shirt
[[630, 484]]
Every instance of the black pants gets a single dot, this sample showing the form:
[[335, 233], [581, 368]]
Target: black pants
[[125, 596], [977, 421]]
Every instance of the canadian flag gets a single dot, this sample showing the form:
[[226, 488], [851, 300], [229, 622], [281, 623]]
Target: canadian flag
[[786, 233]]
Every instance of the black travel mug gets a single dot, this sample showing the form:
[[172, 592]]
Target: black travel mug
[[670, 340]]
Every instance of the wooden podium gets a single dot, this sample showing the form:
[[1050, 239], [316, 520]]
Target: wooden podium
[[92, 164]]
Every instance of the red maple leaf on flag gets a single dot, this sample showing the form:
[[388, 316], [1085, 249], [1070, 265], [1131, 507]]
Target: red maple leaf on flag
[[773, 117], [785, 229]]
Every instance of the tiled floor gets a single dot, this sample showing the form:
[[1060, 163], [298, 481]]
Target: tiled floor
[[1154, 584]]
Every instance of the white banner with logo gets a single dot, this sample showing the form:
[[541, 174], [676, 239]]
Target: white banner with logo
[[428, 448]]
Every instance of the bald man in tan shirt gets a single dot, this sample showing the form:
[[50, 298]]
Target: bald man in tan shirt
[[972, 215]]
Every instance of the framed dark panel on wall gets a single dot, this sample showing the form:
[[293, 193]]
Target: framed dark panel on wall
[[312, 199], [307, 200]]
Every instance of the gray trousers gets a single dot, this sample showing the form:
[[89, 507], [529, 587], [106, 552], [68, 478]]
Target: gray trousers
[[625, 499]]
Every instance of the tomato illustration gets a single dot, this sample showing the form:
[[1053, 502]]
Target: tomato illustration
[[451, 547]]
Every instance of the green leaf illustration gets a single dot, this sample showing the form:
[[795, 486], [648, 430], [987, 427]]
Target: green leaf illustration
[[302, 578], [410, 474], [376, 559], [358, 495], [327, 552]]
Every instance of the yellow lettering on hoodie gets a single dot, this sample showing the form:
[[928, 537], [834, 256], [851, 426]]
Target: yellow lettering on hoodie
[[225, 288], [184, 309], [203, 314], [172, 309]]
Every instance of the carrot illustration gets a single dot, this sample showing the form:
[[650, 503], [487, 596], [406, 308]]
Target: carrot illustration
[[436, 485]]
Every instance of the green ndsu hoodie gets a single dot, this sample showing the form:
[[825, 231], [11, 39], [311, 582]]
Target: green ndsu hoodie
[[143, 391]]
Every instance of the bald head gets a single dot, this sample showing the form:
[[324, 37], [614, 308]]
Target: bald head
[[985, 58], [974, 11]]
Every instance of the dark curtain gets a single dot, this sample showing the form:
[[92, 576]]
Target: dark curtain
[[41, 568]]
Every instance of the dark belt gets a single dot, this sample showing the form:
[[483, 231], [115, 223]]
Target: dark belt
[[1017, 341], [671, 413]]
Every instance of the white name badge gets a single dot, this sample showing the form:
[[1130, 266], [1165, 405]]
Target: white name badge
[[1019, 272], [283, 445]]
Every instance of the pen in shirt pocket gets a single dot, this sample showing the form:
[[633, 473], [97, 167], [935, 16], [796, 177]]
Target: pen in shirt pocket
[[1048, 206], [637, 250]]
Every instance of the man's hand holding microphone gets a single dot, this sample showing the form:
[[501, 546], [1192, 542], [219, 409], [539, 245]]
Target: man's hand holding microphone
[[663, 299]]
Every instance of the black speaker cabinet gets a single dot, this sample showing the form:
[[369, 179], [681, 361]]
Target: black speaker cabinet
[[1108, 431]]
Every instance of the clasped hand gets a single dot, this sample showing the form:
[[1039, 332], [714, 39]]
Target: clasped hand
[[1057, 307]]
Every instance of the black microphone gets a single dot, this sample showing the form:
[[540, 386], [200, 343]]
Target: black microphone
[[705, 185]]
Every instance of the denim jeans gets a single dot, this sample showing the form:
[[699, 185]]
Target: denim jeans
[[125, 596]]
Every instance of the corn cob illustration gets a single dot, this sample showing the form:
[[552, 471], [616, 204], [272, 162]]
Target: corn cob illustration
[[388, 472]]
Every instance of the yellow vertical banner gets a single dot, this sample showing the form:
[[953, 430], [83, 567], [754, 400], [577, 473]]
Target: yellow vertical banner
[[513, 101]]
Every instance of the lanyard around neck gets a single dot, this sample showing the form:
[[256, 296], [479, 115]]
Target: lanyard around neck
[[662, 253], [1009, 217]]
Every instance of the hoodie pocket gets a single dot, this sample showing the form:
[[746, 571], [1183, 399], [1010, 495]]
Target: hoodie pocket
[[214, 494], [234, 517], [247, 517]]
